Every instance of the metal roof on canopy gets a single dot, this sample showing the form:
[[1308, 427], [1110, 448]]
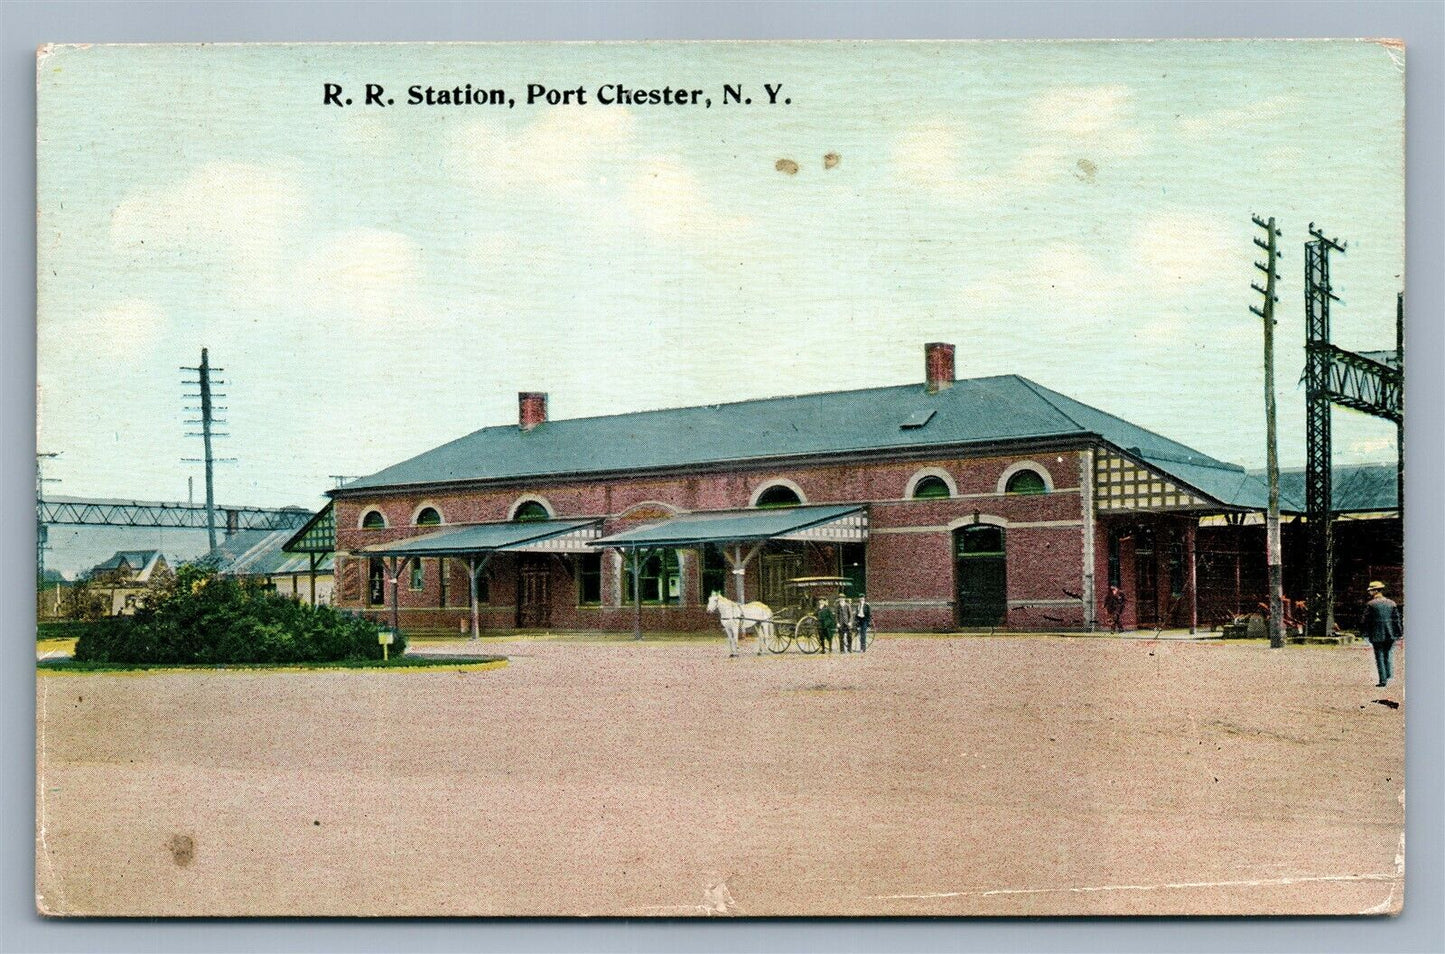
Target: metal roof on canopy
[[539, 536], [828, 523]]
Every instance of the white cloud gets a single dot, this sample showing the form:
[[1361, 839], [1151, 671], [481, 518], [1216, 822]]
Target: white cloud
[[1078, 111], [664, 197], [563, 151], [1180, 248], [240, 209], [941, 156], [1372, 448], [1232, 120], [1079, 132], [1066, 133], [1136, 283], [368, 275], [129, 329], [590, 160]]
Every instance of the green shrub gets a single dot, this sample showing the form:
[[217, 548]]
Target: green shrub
[[61, 628], [199, 617], [86, 600]]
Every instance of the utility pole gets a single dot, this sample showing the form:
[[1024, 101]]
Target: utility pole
[[42, 530], [1272, 545], [207, 420]]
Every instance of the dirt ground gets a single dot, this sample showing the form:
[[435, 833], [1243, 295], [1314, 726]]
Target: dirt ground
[[931, 776]]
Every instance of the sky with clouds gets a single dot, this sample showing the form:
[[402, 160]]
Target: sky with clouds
[[376, 281]]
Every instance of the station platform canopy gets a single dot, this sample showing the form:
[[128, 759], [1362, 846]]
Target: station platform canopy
[[318, 535], [828, 523], [536, 536]]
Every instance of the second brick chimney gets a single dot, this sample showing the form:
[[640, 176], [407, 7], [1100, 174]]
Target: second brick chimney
[[938, 366], [531, 409]]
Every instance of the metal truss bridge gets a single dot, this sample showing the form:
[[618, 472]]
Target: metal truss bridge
[[140, 513]]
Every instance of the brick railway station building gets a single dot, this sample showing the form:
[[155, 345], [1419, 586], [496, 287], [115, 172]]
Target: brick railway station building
[[955, 504]]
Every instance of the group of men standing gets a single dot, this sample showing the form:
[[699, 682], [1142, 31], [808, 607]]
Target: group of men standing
[[842, 621]]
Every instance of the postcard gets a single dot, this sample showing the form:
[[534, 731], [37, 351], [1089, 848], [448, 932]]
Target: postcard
[[720, 479]]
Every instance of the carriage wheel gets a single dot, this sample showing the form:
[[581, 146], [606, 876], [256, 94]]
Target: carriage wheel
[[777, 641], [806, 635]]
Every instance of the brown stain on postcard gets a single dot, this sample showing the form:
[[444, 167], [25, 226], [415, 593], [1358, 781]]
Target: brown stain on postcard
[[182, 849]]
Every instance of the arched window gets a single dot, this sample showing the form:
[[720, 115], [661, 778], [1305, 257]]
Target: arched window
[[931, 486], [778, 495], [1026, 482], [429, 517], [373, 520], [530, 512]]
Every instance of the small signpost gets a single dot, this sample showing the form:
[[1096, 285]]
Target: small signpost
[[386, 637]]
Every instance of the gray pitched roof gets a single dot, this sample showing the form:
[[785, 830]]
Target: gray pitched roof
[[979, 411], [1355, 488], [135, 559], [251, 552]]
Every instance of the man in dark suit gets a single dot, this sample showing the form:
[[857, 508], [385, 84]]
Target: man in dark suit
[[1381, 626], [1114, 604], [827, 625], [862, 620]]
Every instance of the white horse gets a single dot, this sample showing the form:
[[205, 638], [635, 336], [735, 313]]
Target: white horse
[[738, 618]]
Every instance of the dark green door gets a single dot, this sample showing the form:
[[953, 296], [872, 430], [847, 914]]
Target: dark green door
[[981, 597]]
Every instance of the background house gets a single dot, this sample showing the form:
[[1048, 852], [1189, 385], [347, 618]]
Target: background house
[[125, 577]]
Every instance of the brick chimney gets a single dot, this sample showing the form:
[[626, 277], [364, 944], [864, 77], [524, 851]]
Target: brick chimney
[[531, 409], [938, 366]]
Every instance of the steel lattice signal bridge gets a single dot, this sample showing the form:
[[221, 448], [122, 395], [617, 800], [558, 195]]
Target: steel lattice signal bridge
[[140, 513]]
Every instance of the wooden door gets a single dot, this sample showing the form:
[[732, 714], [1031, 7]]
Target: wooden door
[[981, 576], [1146, 577], [534, 593]]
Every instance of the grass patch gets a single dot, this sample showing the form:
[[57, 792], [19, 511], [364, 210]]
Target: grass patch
[[460, 663]]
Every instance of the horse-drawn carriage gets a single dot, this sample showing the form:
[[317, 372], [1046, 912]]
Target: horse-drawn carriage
[[793, 624]]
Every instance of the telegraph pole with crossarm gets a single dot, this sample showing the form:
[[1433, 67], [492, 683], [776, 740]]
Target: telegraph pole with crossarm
[[1272, 545], [207, 433]]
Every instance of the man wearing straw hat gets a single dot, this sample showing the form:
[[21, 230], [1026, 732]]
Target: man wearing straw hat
[[1381, 626]]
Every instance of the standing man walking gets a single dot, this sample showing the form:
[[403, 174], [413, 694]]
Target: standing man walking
[[844, 611], [1381, 626], [1114, 603], [862, 620], [827, 625]]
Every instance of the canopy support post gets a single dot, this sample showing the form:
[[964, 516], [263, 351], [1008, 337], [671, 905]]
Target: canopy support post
[[636, 597], [740, 568], [311, 557], [1192, 546], [740, 563], [398, 567], [474, 569], [393, 572]]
